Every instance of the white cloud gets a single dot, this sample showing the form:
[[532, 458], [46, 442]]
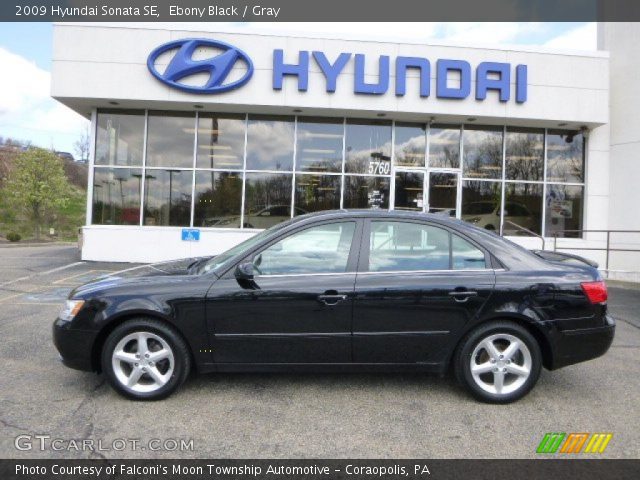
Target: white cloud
[[27, 112], [584, 37]]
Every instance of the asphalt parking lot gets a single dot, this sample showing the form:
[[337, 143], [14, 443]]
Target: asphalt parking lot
[[289, 415]]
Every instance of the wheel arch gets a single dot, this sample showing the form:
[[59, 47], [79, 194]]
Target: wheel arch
[[530, 325], [98, 344]]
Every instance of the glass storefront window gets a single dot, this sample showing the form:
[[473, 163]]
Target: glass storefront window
[[565, 156], [522, 207], [167, 197], [319, 145], [563, 210], [409, 144], [119, 138], [482, 148], [218, 199], [267, 199], [317, 192], [481, 203], [170, 137], [270, 143], [409, 191], [366, 192], [444, 146], [368, 147], [524, 154], [220, 141], [116, 196]]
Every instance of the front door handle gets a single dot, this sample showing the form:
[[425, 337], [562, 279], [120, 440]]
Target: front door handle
[[331, 299], [462, 296]]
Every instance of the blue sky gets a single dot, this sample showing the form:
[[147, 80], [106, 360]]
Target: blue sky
[[28, 113]]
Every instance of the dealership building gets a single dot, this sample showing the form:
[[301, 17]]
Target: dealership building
[[201, 139]]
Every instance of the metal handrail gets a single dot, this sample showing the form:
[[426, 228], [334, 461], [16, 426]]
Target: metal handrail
[[606, 249], [532, 233]]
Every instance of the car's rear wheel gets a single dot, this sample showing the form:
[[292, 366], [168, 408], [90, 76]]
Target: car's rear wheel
[[498, 362], [145, 359]]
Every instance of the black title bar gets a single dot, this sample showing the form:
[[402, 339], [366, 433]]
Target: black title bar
[[318, 10], [543, 469]]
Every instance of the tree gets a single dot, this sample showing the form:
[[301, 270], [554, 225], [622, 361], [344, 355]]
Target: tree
[[81, 146], [37, 186]]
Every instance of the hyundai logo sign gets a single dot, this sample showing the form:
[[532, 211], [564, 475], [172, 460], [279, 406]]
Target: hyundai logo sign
[[182, 65], [491, 78]]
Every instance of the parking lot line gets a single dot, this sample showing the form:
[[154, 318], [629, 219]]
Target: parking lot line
[[39, 274]]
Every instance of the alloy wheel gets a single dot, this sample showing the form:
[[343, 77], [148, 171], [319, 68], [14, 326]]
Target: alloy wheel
[[143, 362], [501, 364]]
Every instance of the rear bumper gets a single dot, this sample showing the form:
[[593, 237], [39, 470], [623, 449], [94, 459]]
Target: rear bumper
[[574, 346], [73, 345]]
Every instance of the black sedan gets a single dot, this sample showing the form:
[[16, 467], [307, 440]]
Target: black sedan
[[345, 290]]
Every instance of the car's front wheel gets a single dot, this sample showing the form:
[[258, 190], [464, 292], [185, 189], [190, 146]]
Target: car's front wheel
[[498, 362], [145, 359]]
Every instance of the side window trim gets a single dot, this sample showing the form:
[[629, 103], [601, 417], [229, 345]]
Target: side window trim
[[351, 260], [363, 261]]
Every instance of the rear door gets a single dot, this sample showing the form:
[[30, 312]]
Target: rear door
[[418, 284]]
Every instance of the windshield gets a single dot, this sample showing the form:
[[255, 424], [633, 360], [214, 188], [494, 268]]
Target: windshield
[[225, 258]]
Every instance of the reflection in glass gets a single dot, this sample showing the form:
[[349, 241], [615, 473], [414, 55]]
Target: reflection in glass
[[444, 146], [522, 207], [317, 192], [366, 192], [524, 154], [404, 246], [481, 204], [368, 147], [409, 147], [220, 141], [465, 256], [319, 147], [482, 152], [320, 249], [167, 197], [170, 137], [270, 143], [409, 191], [218, 199], [443, 192], [119, 138], [565, 156], [116, 196], [564, 204], [267, 199]]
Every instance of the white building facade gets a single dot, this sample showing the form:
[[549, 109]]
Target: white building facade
[[202, 139]]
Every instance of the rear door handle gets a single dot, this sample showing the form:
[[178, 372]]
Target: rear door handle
[[462, 296], [331, 299]]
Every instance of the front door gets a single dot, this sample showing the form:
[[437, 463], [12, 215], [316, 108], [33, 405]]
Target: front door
[[421, 190], [297, 308], [418, 285]]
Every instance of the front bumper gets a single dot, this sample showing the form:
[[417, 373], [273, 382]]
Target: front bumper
[[74, 345], [574, 346]]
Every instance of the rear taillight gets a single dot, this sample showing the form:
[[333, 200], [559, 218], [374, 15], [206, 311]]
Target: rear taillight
[[596, 292]]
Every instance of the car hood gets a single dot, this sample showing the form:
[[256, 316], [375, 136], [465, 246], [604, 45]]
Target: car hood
[[156, 273]]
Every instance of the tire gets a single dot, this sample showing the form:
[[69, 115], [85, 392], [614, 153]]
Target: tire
[[490, 227], [151, 373], [518, 364]]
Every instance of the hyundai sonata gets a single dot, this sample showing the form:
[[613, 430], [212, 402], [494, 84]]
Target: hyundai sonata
[[344, 290]]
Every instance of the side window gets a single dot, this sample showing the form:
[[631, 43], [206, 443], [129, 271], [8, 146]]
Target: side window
[[320, 249], [465, 255], [403, 246]]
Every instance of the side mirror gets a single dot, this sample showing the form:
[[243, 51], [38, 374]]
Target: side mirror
[[244, 271]]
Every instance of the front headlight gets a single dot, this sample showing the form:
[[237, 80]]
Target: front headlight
[[474, 219], [70, 310]]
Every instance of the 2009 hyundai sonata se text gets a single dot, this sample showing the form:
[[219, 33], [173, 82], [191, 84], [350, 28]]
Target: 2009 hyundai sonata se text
[[345, 290]]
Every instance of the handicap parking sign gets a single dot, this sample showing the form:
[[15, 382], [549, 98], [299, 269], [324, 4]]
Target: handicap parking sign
[[190, 235]]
